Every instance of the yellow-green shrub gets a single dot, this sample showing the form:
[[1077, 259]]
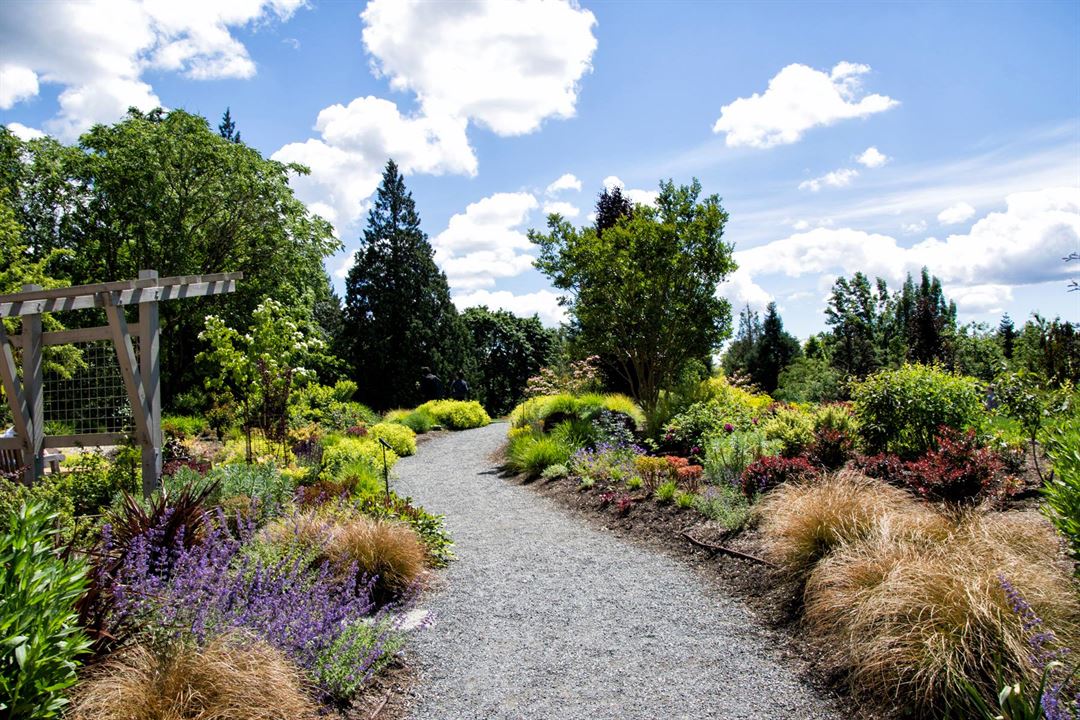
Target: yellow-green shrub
[[792, 428], [456, 414], [341, 451], [555, 408], [400, 437]]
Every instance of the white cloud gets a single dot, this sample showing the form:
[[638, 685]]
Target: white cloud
[[740, 289], [914, 228], [641, 197], [871, 157], [1018, 246], [16, 83], [347, 163], [955, 214], [562, 208], [836, 178], [544, 303], [801, 225], [486, 242], [23, 132], [567, 181], [507, 66], [98, 50], [798, 98]]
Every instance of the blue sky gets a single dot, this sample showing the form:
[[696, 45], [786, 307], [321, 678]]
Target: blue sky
[[868, 136]]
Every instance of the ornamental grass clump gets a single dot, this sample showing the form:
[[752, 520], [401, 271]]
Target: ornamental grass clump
[[915, 611], [531, 453], [803, 522], [387, 552], [234, 677]]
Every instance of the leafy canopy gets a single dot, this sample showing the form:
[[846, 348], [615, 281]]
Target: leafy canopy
[[643, 293]]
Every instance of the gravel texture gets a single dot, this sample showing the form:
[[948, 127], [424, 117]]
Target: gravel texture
[[542, 616]]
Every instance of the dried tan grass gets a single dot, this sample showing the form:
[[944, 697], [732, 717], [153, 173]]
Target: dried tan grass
[[912, 612], [385, 548], [803, 522], [232, 678]]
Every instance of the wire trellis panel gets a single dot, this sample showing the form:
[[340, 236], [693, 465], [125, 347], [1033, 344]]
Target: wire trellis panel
[[94, 399]]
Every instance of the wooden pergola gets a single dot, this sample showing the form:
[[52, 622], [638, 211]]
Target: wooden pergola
[[141, 374]]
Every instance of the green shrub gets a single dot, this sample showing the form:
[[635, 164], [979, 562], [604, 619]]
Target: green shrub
[[456, 414], [419, 421], [330, 407], [900, 411], [184, 426], [725, 505], [835, 416], [353, 648], [666, 492], [808, 380], [555, 472], [401, 438], [685, 500], [531, 454], [549, 410], [263, 482], [339, 452], [792, 429], [726, 405], [40, 642], [576, 433], [48, 492], [728, 454], [1062, 492]]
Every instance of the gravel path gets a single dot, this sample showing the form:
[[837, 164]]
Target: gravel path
[[544, 617]]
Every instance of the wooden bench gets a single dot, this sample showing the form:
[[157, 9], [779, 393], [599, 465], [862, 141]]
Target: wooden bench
[[11, 460]]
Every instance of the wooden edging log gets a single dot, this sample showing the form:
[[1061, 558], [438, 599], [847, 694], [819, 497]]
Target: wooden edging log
[[726, 550]]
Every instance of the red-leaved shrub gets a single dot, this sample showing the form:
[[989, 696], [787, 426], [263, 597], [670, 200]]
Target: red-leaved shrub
[[831, 449], [767, 472], [958, 470]]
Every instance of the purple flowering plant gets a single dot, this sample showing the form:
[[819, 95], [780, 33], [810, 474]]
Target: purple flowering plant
[[309, 612]]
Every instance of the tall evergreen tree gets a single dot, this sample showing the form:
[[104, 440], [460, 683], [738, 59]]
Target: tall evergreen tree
[[740, 355], [227, 128], [852, 315], [610, 206], [930, 322], [398, 313], [1006, 335], [775, 351]]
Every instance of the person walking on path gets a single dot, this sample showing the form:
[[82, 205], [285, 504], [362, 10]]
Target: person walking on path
[[459, 389], [431, 387]]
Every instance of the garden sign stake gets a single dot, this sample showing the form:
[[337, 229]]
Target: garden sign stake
[[385, 468]]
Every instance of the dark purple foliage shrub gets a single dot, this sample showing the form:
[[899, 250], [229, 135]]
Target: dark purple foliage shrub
[[768, 472], [831, 449], [883, 466], [958, 470]]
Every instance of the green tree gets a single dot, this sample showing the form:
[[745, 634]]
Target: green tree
[[398, 313], [1006, 335], [741, 353], [975, 351], [162, 190], [227, 128], [926, 319], [644, 292], [774, 352], [259, 368], [611, 206], [809, 379], [507, 350], [1050, 349], [853, 318]]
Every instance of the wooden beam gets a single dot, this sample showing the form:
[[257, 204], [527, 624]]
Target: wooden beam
[[12, 443], [129, 368], [74, 335], [119, 285], [14, 306], [85, 440]]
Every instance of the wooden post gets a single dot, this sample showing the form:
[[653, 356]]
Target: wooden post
[[15, 397], [150, 369], [33, 389]]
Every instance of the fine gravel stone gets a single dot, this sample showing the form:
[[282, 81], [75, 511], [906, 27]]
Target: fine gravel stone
[[542, 616]]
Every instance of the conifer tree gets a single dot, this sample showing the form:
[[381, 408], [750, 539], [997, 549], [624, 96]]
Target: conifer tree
[[398, 313], [1007, 336], [227, 128], [775, 351]]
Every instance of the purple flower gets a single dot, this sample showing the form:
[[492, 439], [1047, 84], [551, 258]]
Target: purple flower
[[728, 427]]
